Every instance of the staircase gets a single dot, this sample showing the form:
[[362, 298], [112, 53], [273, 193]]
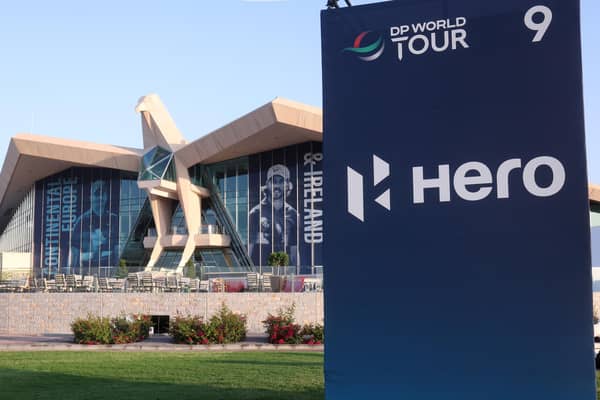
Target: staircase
[[134, 251], [237, 245]]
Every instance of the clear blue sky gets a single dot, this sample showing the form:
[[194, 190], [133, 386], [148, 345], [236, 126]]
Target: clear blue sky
[[75, 69]]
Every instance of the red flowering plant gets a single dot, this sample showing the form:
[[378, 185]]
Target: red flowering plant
[[223, 327], [281, 327], [313, 334], [226, 326], [130, 328], [188, 330]]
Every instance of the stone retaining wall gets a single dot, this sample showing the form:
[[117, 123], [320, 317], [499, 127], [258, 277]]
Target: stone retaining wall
[[41, 313]]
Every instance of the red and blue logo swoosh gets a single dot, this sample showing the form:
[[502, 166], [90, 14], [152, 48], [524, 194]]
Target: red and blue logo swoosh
[[369, 52]]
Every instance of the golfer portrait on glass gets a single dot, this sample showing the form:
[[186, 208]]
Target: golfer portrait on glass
[[90, 241], [273, 220]]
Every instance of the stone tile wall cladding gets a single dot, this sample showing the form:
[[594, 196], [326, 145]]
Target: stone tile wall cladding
[[596, 297], [44, 313]]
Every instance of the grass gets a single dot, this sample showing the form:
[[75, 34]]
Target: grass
[[153, 376]]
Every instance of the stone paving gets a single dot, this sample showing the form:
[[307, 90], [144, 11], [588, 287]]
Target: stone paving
[[64, 342]]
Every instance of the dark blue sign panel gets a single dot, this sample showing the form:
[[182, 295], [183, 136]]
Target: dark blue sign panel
[[458, 240]]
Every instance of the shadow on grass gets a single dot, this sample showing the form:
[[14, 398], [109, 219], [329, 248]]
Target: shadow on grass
[[271, 364], [304, 360], [23, 385]]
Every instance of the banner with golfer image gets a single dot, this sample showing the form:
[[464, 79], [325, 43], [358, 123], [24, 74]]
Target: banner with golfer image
[[285, 205], [79, 229]]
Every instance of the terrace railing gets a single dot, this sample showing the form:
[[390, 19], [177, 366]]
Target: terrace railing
[[153, 283]]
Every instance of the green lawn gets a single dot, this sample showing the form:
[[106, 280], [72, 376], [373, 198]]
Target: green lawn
[[151, 376], [167, 375]]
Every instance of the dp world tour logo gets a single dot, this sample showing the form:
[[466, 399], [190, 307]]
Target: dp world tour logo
[[369, 52]]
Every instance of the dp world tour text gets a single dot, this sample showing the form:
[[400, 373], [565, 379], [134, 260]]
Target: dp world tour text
[[437, 36]]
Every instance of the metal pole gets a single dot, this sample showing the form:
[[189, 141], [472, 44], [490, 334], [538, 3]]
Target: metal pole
[[334, 4]]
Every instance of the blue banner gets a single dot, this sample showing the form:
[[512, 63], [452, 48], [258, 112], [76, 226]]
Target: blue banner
[[312, 203], [458, 238], [286, 212], [77, 222]]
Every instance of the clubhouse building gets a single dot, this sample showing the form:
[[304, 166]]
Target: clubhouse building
[[220, 204]]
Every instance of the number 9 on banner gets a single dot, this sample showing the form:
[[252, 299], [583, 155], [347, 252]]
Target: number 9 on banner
[[539, 27]]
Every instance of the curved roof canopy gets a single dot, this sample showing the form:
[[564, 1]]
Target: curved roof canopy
[[33, 157], [277, 124]]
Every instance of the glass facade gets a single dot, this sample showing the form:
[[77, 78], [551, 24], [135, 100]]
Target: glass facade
[[231, 177], [595, 224], [79, 223], [286, 209], [84, 220], [157, 164], [133, 251], [178, 225], [131, 200], [18, 234], [195, 173], [275, 201], [210, 219], [169, 259], [212, 261], [78, 215]]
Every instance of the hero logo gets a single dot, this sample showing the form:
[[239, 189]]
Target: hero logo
[[381, 170], [472, 181]]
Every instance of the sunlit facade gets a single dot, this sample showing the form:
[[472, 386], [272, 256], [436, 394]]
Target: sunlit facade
[[218, 205]]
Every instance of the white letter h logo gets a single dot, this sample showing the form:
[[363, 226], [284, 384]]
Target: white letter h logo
[[381, 170]]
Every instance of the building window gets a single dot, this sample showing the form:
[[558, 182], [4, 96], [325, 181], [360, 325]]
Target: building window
[[231, 179], [157, 164], [178, 225], [169, 259]]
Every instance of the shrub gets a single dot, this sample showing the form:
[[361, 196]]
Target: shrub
[[127, 329], [226, 326], [281, 327], [123, 270], [279, 259], [190, 270], [188, 330], [223, 327], [312, 334], [120, 330], [92, 330]]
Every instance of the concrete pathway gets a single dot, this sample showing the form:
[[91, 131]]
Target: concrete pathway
[[64, 342]]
